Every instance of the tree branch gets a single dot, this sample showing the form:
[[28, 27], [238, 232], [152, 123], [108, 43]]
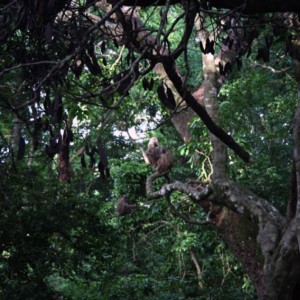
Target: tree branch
[[237, 199], [175, 186], [202, 113]]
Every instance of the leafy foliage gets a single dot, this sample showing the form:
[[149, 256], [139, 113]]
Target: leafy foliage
[[266, 104]]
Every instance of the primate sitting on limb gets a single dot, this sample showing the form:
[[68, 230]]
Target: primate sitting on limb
[[123, 206], [159, 157]]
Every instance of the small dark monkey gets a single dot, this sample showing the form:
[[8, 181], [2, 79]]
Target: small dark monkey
[[123, 206], [159, 157]]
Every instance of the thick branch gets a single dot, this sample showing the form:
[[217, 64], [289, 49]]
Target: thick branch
[[175, 186], [279, 255], [237, 199]]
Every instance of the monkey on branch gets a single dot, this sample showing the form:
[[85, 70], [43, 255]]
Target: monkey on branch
[[160, 158], [124, 207]]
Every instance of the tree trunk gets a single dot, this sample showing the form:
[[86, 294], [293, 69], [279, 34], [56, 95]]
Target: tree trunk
[[16, 133], [210, 84]]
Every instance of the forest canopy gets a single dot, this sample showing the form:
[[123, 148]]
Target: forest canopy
[[149, 149]]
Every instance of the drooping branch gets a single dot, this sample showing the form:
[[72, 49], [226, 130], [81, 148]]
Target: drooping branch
[[202, 113]]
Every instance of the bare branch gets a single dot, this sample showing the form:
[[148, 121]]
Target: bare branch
[[198, 268]]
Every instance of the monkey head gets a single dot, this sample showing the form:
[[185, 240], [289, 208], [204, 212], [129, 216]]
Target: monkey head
[[153, 142]]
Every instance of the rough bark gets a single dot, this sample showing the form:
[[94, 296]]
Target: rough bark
[[284, 266], [292, 205], [63, 157], [239, 232], [16, 133]]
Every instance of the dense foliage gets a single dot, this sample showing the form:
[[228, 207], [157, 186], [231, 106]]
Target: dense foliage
[[68, 240]]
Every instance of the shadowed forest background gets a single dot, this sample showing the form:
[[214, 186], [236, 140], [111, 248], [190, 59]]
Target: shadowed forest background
[[84, 85]]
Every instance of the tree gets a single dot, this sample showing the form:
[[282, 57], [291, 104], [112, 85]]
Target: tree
[[46, 48]]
